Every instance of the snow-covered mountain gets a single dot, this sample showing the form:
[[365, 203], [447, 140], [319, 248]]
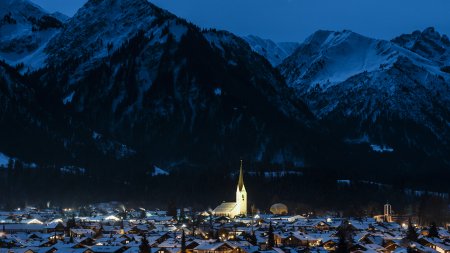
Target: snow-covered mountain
[[375, 91], [25, 30], [427, 43], [125, 81], [149, 79], [274, 52]]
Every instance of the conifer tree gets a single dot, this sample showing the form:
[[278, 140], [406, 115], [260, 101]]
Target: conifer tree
[[253, 239], [271, 237], [142, 214], [182, 215], [307, 248], [410, 249], [433, 232], [144, 247], [411, 234], [195, 224], [70, 224], [10, 165], [343, 234], [172, 210], [183, 242]]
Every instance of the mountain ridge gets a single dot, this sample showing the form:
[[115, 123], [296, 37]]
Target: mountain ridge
[[25, 30], [160, 90], [383, 91], [274, 52], [166, 78]]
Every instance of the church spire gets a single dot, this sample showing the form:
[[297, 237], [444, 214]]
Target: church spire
[[241, 179]]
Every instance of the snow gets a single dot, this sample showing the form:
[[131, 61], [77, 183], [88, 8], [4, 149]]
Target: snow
[[18, 42], [348, 77], [320, 60], [4, 159], [31, 50], [427, 43], [275, 174], [381, 148], [217, 91], [419, 193], [214, 40], [68, 99], [274, 52], [96, 135], [99, 23], [344, 181], [159, 172], [408, 191], [74, 170], [177, 30], [219, 39]]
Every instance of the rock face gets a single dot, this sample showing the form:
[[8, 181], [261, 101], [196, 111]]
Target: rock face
[[394, 96], [126, 84], [427, 43], [25, 30], [163, 86]]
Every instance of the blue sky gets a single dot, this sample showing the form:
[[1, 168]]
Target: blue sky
[[293, 20]]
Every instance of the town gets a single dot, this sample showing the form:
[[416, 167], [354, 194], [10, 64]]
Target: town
[[229, 228], [109, 227]]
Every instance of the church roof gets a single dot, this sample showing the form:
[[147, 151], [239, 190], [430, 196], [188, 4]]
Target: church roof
[[225, 207], [241, 179]]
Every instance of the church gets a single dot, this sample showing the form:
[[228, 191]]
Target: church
[[232, 209]]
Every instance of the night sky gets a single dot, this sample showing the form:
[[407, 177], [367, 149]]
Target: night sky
[[293, 20]]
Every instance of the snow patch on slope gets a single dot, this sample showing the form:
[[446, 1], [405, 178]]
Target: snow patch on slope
[[381, 148], [73, 170], [327, 58], [4, 159], [217, 91], [25, 30], [157, 171], [68, 99], [274, 52]]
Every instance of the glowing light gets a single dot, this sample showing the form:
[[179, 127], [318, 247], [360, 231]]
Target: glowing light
[[35, 221], [112, 217], [56, 221]]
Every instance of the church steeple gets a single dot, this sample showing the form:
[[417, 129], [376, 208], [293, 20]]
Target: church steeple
[[241, 179], [241, 194]]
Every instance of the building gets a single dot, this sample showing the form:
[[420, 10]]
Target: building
[[232, 209], [218, 247], [388, 212]]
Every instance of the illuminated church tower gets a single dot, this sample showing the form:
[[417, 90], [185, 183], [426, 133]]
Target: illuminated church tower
[[241, 194], [233, 209]]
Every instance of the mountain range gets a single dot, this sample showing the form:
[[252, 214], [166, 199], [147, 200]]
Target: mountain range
[[126, 83]]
